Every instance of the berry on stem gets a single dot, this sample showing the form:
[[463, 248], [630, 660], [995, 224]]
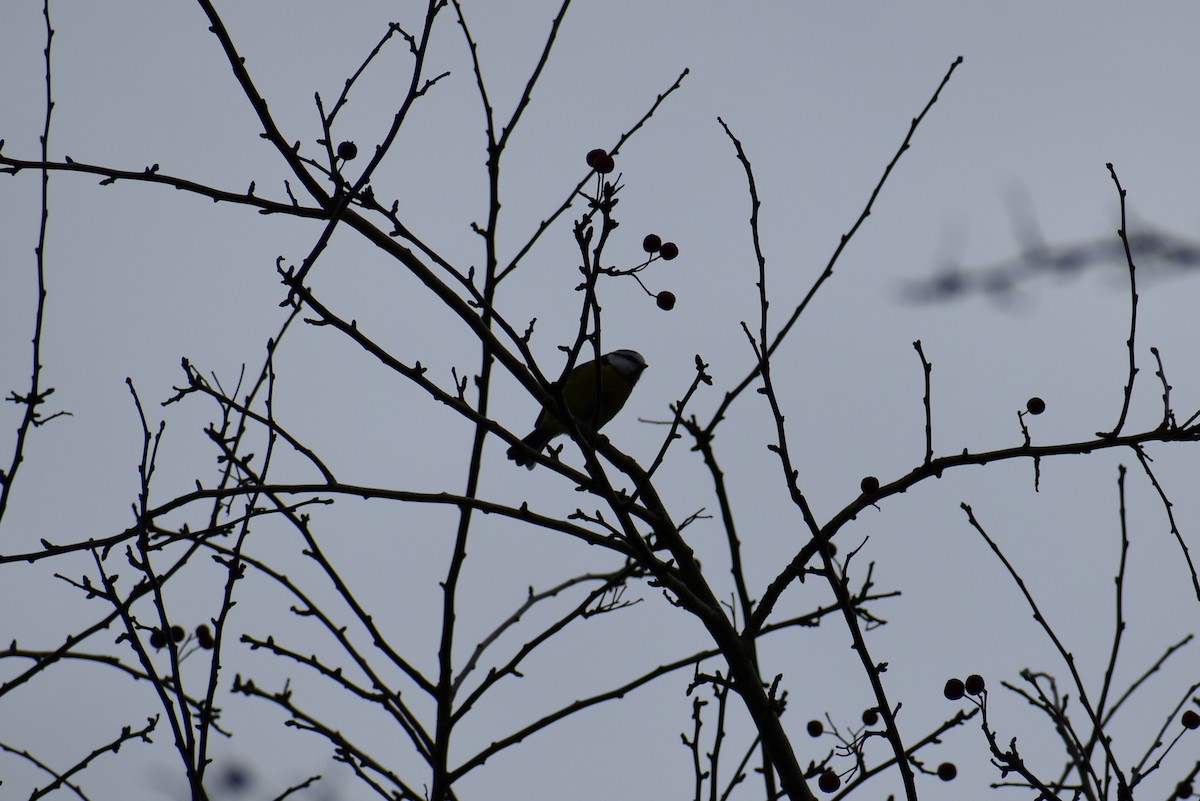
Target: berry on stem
[[599, 160], [829, 782]]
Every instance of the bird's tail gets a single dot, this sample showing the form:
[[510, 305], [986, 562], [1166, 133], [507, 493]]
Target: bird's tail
[[536, 441]]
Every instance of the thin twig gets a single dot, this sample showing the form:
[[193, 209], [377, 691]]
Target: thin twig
[[828, 271], [1111, 763], [36, 396], [1168, 507], [1133, 309], [926, 368]]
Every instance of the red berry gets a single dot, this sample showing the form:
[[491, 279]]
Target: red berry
[[829, 782], [1191, 720], [870, 716], [177, 633], [975, 684], [157, 639], [665, 300], [1183, 790], [652, 243], [815, 728], [594, 156], [669, 250], [869, 485], [953, 689], [600, 161], [947, 771], [1035, 405], [347, 150]]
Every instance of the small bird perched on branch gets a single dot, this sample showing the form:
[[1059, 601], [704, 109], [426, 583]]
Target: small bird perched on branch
[[593, 396]]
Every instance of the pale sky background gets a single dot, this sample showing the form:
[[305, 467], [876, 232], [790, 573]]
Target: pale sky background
[[821, 95]]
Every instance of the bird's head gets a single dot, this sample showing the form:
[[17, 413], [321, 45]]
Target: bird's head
[[629, 364]]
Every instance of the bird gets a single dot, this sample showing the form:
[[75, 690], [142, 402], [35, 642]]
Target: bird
[[592, 396]]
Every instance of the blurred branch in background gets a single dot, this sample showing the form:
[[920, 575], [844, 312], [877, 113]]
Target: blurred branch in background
[[1161, 255]]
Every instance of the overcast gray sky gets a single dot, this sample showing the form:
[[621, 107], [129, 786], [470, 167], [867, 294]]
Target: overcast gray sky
[[821, 95]]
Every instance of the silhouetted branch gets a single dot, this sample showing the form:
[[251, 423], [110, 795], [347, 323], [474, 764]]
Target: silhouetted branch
[[845, 240]]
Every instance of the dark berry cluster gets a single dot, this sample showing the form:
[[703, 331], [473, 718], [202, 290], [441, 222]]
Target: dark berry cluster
[[601, 161], [204, 637], [956, 688]]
